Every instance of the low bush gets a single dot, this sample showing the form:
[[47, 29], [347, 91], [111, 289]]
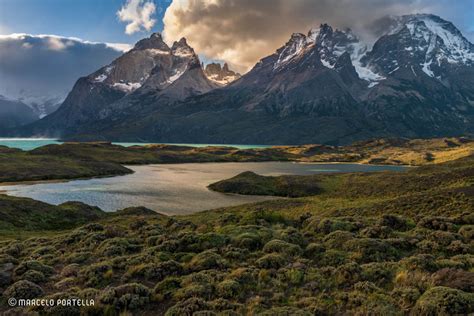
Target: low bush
[[444, 301], [24, 266], [282, 247], [129, 296], [271, 261], [454, 278], [23, 289], [206, 260]]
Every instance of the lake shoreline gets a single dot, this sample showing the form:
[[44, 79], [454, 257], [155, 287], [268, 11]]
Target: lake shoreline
[[172, 189], [33, 182]]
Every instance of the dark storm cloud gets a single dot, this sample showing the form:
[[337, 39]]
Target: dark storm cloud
[[48, 65], [243, 31]]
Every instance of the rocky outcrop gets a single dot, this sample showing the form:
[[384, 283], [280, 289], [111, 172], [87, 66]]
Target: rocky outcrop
[[221, 75]]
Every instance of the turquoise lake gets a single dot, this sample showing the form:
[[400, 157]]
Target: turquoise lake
[[32, 143]]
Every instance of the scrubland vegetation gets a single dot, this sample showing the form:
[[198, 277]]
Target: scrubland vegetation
[[375, 243]]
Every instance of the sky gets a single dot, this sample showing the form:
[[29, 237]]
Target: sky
[[239, 32], [92, 20]]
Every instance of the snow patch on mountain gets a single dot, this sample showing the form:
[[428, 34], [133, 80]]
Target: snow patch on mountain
[[100, 78], [177, 75], [154, 51], [127, 87], [293, 48]]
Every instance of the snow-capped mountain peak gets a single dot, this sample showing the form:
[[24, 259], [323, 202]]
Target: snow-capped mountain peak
[[155, 41], [292, 48], [149, 57], [329, 44], [182, 49], [431, 41]]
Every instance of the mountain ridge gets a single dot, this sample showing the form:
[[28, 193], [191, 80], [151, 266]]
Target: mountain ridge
[[324, 87]]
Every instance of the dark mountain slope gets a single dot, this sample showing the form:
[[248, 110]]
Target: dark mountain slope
[[14, 114], [324, 87]]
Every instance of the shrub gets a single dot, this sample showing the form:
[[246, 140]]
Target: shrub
[[379, 273], [327, 226], [314, 251], [250, 241], [285, 311], [467, 231], [118, 246], [167, 287], [33, 265], [282, 247], [157, 271], [92, 227], [437, 223], [129, 296], [291, 276], [211, 240], [367, 299], [169, 246], [406, 297], [454, 278], [23, 290], [418, 279], [225, 307], [65, 283], [292, 235], [369, 249], [188, 307], [337, 239], [206, 260], [423, 262], [444, 301], [348, 274], [13, 249], [203, 290], [400, 243], [34, 276], [154, 240], [375, 232], [333, 258], [394, 222], [234, 253], [79, 257], [70, 270], [98, 274], [442, 238], [228, 289], [458, 247], [271, 261], [245, 276]]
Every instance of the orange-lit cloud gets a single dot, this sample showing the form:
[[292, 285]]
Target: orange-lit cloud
[[243, 31]]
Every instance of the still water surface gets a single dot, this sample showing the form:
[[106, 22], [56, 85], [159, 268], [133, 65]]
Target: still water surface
[[172, 188]]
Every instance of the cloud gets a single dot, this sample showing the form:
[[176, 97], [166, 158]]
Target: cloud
[[57, 44], [139, 15], [39, 65], [243, 31]]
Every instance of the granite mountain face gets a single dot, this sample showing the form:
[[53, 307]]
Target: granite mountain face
[[327, 86], [151, 70], [221, 75]]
